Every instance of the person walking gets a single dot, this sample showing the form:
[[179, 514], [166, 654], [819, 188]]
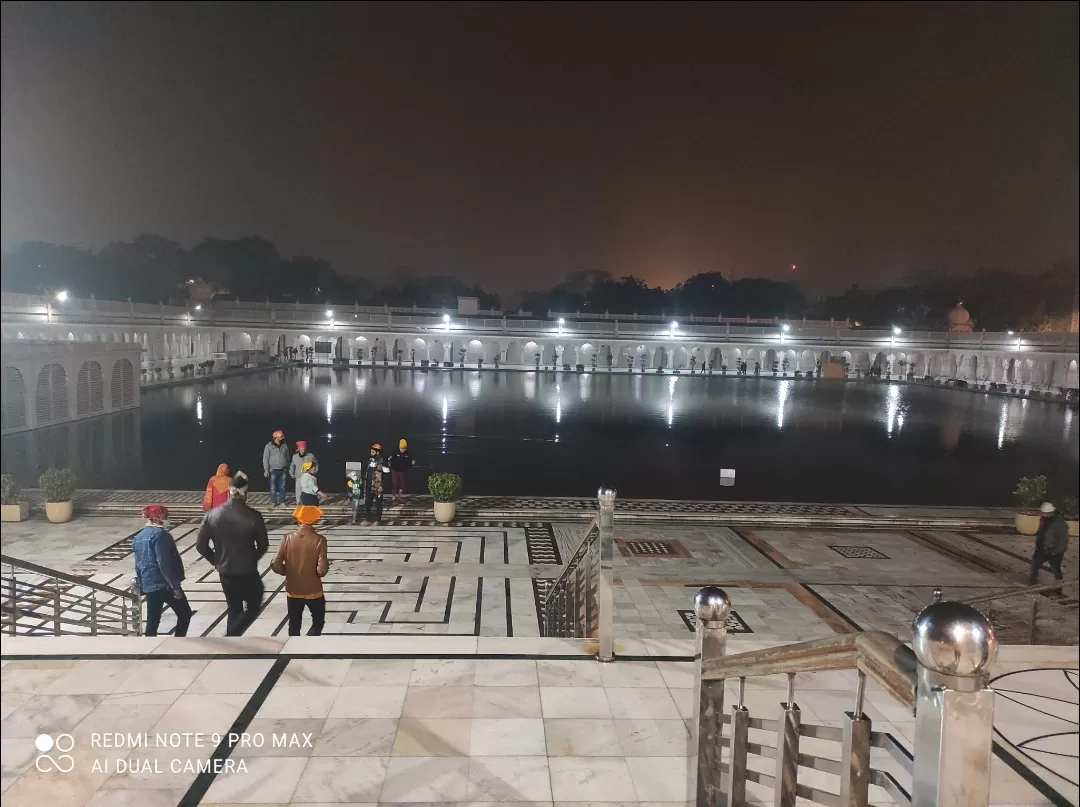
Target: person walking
[[159, 571], [296, 466], [1051, 541], [400, 463], [309, 486], [275, 462], [217, 489], [301, 558], [373, 486], [233, 538]]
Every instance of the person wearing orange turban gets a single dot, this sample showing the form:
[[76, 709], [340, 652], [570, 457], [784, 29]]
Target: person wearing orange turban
[[301, 557]]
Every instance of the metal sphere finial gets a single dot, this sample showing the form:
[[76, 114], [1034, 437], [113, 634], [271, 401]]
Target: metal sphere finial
[[712, 604], [953, 639], [606, 493]]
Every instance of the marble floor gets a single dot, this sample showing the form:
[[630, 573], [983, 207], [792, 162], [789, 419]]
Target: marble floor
[[390, 730], [485, 578]]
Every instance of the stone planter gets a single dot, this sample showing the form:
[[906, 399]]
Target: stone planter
[[59, 512], [15, 512], [1027, 523], [445, 512]]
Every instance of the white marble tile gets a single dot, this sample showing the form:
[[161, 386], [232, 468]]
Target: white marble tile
[[202, 713], [507, 737], [443, 672], [17, 679], [48, 714], [137, 798], [341, 779], [582, 738], [602, 779], [266, 780], [379, 672], [574, 702], [627, 703], [534, 646], [509, 778], [405, 646], [303, 672], [491, 701], [630, 674], [10, 701], [433, 702], [231, 675], [299, 702], [659, 778], [506, 673], [677, 674], [367, 701], [78, 645], [426, 779], [428, 737], [561, 673], [90, 678], [219, 645], [359, 737], [654, 738], [160, 675]]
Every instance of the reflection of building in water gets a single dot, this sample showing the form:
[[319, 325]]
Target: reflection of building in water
[[91, 448], [47, 383]]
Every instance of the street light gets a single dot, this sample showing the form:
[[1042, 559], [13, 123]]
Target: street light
[[198, 307], [1009, 332], [785, 327], [61, 296], [329, 314], [896, 331], [446, 318]]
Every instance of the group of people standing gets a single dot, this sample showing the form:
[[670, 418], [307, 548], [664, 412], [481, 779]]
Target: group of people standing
[[233, 537]]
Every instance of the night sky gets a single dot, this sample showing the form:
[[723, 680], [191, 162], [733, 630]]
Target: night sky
[[510, 144]]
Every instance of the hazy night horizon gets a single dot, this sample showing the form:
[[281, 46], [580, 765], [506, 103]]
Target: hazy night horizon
[[508, 145]]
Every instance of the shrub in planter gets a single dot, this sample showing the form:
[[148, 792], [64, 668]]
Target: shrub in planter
[[12, 509], [445, 489], [58, 485], [1071, 511], [1031, 490]]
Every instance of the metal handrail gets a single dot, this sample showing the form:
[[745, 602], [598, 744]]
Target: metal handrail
[[575, 559], [1010, 593], [943, 679], [70, 578], [878, 654]]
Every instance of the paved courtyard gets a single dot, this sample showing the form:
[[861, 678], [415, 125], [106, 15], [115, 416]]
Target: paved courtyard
[[486, 578]]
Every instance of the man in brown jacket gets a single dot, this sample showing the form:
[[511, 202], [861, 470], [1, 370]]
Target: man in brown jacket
[[302, 559]]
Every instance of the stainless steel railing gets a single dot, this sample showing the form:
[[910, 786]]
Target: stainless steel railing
[[580, 603], [1015, 617], [39, 601], [943, 680]]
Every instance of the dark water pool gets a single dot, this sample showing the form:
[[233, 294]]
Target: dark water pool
[[546, 434]]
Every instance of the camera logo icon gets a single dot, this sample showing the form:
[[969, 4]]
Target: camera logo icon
[[63, 762]]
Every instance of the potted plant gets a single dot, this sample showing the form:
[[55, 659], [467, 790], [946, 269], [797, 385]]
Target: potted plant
[[445, 489], [58, 485], [1032, 492], [13, 509], [1072, 517]]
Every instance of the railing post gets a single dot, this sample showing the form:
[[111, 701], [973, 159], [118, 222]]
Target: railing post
[[136, 609], [855, 756], [93, 612], [14, 602], [711, 607], [604, 596], [740, 736], [56, 606], [787, 750], [954, 711]]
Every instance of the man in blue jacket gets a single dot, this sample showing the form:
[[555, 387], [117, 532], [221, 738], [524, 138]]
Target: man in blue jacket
[[160, 571]]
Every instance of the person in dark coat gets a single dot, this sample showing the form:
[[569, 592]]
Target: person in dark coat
[[233, 538], [1051, 541], [400, 462], [372, 482]]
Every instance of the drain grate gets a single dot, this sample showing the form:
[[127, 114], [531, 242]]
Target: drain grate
[[651, 549], [859, 552], [734, 623]]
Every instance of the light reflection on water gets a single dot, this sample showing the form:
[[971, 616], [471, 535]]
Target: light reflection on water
[[541, 433]]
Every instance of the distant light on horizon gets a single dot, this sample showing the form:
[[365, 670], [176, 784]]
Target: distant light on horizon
[[198, 307], [62, 295], [896, 330], [785, 327]]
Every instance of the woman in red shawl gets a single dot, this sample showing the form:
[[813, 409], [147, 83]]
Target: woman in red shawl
[[217, 489]]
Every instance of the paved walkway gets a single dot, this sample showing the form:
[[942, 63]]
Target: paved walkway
[[482, 721]]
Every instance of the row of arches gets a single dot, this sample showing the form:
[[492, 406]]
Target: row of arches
[[52, 395]]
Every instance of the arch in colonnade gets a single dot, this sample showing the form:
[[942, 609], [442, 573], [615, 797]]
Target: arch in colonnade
[[418, 350], [474, 351], [437, 351], [513, 352], [532, 353], [680, 358], [807, 362], [660, 358]]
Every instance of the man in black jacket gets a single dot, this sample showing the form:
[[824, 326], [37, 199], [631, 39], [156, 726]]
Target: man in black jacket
[[233, 538]]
